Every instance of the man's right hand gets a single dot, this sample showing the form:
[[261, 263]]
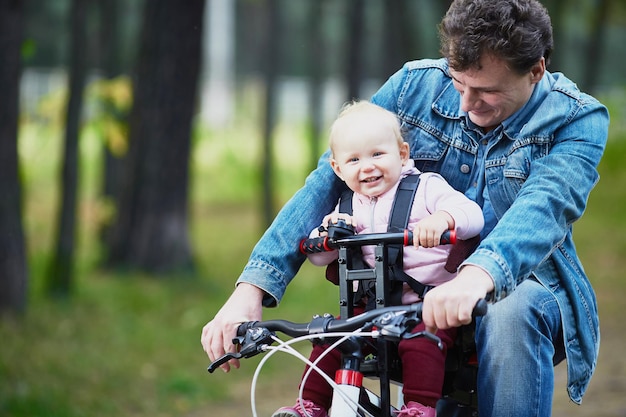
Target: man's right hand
[[244, 304], [451, 304]]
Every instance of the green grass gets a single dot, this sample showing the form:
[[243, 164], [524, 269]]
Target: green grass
[[123, 344], [128, 344]]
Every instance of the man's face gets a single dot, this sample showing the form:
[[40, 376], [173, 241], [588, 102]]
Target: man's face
[[494, 92]]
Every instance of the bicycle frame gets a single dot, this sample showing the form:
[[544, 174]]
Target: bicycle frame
[[385, 324], [349, 378]]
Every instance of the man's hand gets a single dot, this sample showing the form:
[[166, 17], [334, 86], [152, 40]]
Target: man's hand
[[245, 304], [451, 304]]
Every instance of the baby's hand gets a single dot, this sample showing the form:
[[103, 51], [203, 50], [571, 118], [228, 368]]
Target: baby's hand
[[333, 218], [428, 231]]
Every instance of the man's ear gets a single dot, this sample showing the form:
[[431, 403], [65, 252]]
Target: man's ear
[[538, 70], [335, 166]]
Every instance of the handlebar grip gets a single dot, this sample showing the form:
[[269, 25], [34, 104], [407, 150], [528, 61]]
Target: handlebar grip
[[243, 327], [480, 309], [448, 237], [315, 245]]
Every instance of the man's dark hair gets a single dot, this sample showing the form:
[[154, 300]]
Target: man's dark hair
[[517, 31]]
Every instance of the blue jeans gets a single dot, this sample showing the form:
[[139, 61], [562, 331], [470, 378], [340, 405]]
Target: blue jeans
[[518, 342]]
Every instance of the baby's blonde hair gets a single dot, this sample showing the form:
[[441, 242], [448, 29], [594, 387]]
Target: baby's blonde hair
[[365, 109]]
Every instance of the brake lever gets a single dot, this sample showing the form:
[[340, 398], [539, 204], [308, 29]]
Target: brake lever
[[222, 360], [433, 338], [400, 325], [252, 343]]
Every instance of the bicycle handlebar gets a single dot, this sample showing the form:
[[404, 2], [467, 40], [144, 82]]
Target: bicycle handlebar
[[327, 243], [393, 322], [330, 324]]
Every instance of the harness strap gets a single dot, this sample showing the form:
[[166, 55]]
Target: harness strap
[[403, 202], [401, 212], [398, 221], [345, 202]]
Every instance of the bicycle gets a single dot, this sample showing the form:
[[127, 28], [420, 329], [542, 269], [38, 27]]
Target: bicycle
[[386, 324]]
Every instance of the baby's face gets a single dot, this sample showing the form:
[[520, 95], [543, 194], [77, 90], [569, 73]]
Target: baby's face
[[369, 158]]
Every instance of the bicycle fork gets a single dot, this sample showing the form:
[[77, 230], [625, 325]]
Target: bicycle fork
[[350, 391], [346, 396], [349, 379]]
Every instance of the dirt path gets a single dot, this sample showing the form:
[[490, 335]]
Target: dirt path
[[607, 391]]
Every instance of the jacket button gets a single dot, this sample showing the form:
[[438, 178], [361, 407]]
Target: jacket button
[[465, 168]]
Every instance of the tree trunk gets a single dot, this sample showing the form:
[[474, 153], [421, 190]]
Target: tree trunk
[[61, 272], [150, 232], [316, 87], [558, 15], [13, 269], [444, 6], [354, 68], [271, 69], [110, 63], [593, 61], [398, 40]]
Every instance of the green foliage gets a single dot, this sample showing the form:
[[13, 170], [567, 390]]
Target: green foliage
[[29, 48], [111, 101]]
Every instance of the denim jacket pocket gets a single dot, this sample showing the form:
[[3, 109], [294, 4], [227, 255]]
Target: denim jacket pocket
[[425, 140], [517, 164]]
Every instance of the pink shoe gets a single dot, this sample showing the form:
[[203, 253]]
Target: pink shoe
[[414, 409], [304, 408]]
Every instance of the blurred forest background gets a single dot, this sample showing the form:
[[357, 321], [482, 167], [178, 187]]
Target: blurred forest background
[[146, 144]]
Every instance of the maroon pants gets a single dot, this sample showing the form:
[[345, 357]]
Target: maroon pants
[[423, 368]]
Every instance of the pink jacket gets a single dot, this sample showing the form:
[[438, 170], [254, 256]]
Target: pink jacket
[[433, 194]]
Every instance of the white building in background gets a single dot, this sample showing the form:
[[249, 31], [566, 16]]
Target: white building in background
[[217, 95]]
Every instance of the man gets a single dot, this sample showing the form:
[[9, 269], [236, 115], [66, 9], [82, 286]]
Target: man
[[525, 145]]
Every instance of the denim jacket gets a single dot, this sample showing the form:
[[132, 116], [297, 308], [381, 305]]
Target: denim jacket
[[539, 173]]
